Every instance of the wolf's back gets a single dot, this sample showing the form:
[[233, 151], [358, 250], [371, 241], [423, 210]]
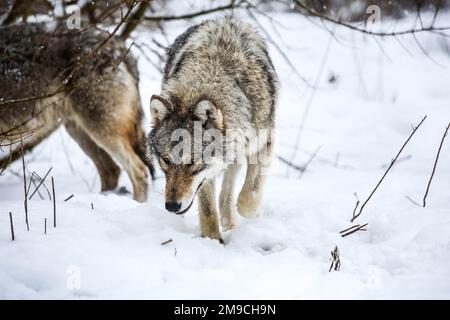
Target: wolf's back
[[227, 61], [37, 60], [36, 56]]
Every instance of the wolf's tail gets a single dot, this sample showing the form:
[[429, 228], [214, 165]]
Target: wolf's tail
[[141, 145]]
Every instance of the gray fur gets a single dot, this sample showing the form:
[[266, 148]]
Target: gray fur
[[101, 108], [226, 63]]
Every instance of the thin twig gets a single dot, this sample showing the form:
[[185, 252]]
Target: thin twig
[[166, 242], [310, 160], [435, 165], [353, 230], [290, 164], [412, 201], [387, 171], [398, 161], [356, 208], [424, 51], [335, 260], [232, 5], [45, 187], [12, 226], [307, 109], [54, 203], [25, 199], [350, 228], [40, 184], [135, 19], [373, 33], [68, 198], [281, 51], [302, 168], [33, 182]]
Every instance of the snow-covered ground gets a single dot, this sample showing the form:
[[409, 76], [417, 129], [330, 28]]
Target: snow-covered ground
[[360, 121]]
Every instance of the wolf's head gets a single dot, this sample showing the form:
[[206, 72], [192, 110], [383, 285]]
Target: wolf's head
[[188, 145]]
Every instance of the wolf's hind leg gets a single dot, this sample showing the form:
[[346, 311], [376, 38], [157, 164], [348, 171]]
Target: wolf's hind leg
[[209, 223], [122, 150], [250, 196], [226, 198], [107, 169]]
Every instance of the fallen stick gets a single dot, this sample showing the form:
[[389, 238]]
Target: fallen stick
[[348, 229], [354, 229], [68, 198], [166, 242]]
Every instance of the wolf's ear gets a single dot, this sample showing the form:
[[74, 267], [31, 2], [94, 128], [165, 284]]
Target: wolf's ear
[[206, 110], [158, 109]]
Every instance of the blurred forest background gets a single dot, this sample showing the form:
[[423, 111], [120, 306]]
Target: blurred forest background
[[155, 14], [124, 17]]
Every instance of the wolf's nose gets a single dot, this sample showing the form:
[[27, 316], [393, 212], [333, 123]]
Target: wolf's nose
[[173, 206]]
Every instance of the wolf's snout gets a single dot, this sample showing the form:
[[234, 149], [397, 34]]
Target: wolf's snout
[[173, 206]]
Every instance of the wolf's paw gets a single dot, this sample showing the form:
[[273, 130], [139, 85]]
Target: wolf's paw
[[215, 236], [248, 205], [227, 223]]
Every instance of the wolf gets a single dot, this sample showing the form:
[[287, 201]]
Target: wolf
[[99, 104], [219, 74]]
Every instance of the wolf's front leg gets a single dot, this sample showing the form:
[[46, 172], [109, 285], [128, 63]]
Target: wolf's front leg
[[250, 196], [209, 223], [227, 203]]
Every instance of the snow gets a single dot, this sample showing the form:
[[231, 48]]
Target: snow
[[114, 250]]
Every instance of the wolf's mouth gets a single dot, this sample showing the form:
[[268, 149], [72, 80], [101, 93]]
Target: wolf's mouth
[[192, 201]]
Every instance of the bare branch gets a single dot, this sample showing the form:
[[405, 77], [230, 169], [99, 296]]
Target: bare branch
[[313, 12], [232, 5], [54, 203], [310, 100], [135, 19], [280, 51], [40, 184], [25, 196], [435, 165], [388, 169], [65, 85]]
